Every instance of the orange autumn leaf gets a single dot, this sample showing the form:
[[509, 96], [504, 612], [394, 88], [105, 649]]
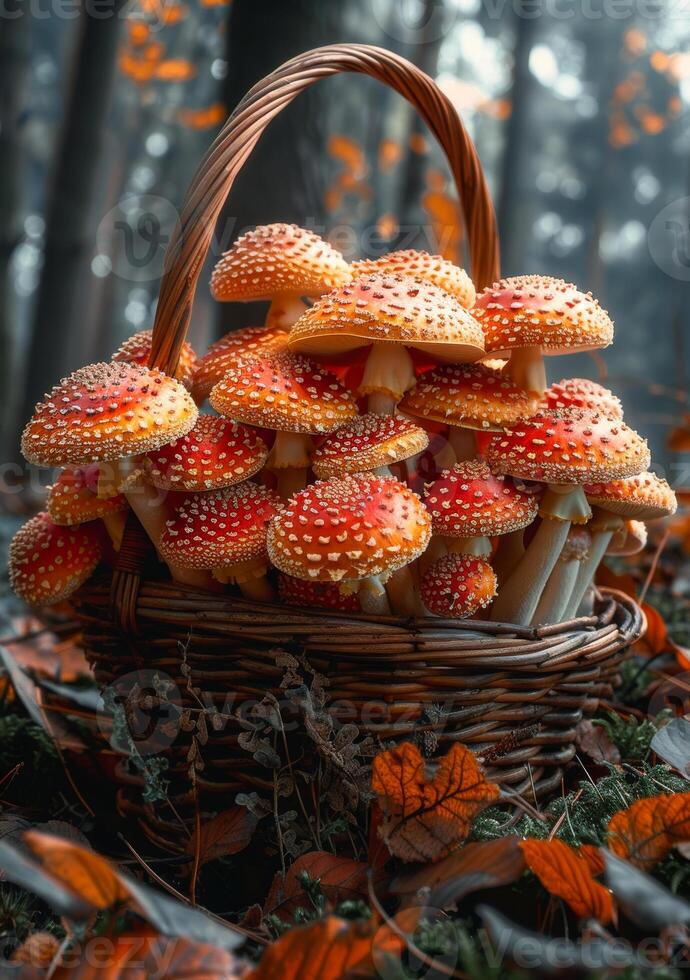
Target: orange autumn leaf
[[329, 949], [175, 70], [564, 873], [424, 817], [340, 879], [349, 152], [594, 858], [211, 115], [87, 874], [390, 153], [610, 580], [649, 829], [138, 31]]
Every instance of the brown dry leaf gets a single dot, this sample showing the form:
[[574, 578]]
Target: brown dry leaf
[[594, 742], [87, 874], [563, 872], [425, 818], [340, 878], [330, 949], [648, 830], [45, 654], [227, 833]]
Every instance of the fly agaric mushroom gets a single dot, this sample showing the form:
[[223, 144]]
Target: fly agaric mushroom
[[226, 352], [564, 449], [530, 316], [72, 502], [292, 395], [629, 539], [641, 497], [354, 531], [112, 413], [469, 505], [49, 562], [369, 442], [457, 586], [225, 531], [434, 268], [281, 263], [582, 393], [389, 314], [298, 592], [214, 454], [137, 350], [468, 397], [554, 599]]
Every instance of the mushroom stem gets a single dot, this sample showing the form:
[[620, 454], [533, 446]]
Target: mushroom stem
[[291, 481], [435, 549], [250, 577], [402, 593], [370, 602], [520, 594], [463, 443], [600, 542], [554, 599], [290, 456], [511, 548], [284, 311], [388, 373], [445, 458], [479, 546], [115, 526], [526, 368]]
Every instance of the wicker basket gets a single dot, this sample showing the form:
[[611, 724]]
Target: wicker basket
[[513, 694]]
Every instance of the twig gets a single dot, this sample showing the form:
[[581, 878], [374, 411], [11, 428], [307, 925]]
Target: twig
[[521, 802], [559, 823], [197, 846], [652, 568]]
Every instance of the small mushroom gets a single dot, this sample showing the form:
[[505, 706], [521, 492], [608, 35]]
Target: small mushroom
[[458, 586], [72, 501], [554, 599], [531, 316], [49, 562], [581, 393], [281, 263], [390, 314], [629, 539], [433, 268], [229, 350], [368, 442], [322, 595]]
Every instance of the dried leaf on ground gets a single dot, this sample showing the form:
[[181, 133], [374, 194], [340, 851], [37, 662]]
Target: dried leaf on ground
[[566, 874], [648, 830], [87, 874], [340, 879], [329, 949], [425, 817], [227, 833], [672, 744], [594, 741]]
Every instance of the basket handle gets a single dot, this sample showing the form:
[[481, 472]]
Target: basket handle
[[217, 172]]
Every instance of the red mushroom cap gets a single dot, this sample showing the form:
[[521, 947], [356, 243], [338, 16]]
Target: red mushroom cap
[[49, 562], [106, 412], [216, 453], [229, 350], [137, 350], [582, 393], [284, 392], [539, 311], [298, 592], [644, 497], [220, 528], [72, 501], [367, 442], [434, 268], [569, 447], [469, 395], [350, 528], [275, 260], [457, 586], [385, 308], [468, 501]]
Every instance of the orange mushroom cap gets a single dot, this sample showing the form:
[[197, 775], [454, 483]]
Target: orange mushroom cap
[[469, 395], [540, 311], [220, 528], [569, 447], [226, 352], [629, 539], [298, 592], [457, 586], [386, 308], [582, 393], [367, 442], [434, 268], [644, 496], [71, 499], [137, 350], [350, 528], [49, 562], [468, 501], [285, 392], [214, 454], [275, 260], [106, 412]]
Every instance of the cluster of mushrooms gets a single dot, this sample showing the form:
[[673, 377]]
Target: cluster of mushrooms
[[307, 487]]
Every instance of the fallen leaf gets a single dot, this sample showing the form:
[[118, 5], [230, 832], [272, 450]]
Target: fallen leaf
[[227, 833], [642, 898], [610, 580], [593, 857], [594, 741], [648, 830], [564, 873], [484, 864], [672, 744], [89, 875], [330, 949], [425, 818], [340, 879]]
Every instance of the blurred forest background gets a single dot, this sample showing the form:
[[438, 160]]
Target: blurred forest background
[[579, 110]]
